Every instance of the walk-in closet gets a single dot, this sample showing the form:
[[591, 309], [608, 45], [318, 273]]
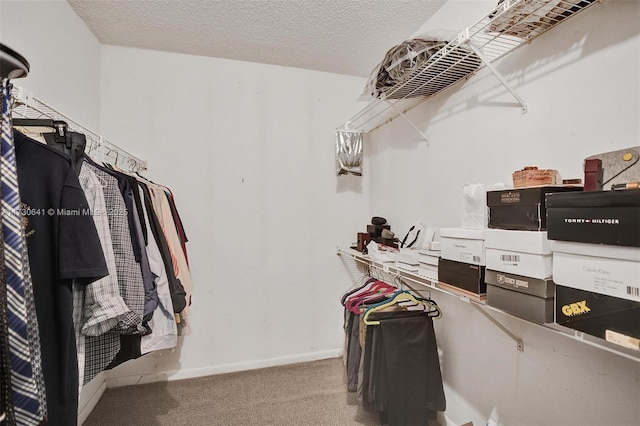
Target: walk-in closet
[[298, 212]]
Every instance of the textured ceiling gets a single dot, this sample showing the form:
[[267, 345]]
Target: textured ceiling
[[341, 36]]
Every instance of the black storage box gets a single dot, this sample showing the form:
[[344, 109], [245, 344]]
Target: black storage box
[[528, 298], [521, 209], [601, 217], [462, 275], [611, 318]]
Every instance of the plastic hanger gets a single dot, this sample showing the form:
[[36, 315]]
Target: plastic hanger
[[365, 289], [395, 299], [357, 287], [376, 288], [44, 125], [374, 297]]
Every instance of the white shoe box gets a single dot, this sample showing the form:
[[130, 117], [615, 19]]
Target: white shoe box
[[515, 262], [463, 245], [526, 253], [429, 257], [429, 272], [604, 269], [408, 256], [407, 267], [534, 242]]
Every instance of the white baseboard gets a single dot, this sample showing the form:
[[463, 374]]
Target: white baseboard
[[91, 394], [114, 382]]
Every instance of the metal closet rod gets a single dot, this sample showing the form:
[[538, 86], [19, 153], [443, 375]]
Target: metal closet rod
[[24, 98]]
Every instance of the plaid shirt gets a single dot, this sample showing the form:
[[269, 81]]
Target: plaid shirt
[[128, 270], [98, 307], [100, 350], [103, 307]]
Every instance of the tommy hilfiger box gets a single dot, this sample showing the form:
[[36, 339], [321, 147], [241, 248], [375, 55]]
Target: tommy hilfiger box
[[600, 217], [521, 209], [524, 297], [464, 276], [611, 318]]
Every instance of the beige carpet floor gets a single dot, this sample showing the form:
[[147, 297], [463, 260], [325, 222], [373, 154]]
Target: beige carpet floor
[[312, 393]]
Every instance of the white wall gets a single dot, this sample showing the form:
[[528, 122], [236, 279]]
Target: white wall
[[248, 150], [64, 56], [580, 81]]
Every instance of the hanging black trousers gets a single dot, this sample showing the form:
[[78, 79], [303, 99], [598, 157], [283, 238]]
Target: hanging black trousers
[[413, 377]]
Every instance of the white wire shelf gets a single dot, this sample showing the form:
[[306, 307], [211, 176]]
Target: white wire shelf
[[28, 106], [508, 26]]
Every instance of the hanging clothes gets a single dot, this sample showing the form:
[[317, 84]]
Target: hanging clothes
[[392, 360], [130, 283], [63, 246], [107, 257], [104, 309], [128, 270], [168, 226], [178, 222], [99, 307], [164, 331], [129, 190], [178, 293]]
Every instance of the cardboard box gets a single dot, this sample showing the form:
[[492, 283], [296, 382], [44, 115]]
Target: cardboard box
[[599, 217], [544, 288], [525, 306], [609, 270], [525, 264], [611, 318], [597, 250], [534, 242], [526, 253], [465, 276], [521, 209], [532, 176], [463, 245], [525, 297]]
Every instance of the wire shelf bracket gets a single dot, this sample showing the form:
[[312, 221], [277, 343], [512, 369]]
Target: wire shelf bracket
[[519, 342], [496, 73], [403, 115]]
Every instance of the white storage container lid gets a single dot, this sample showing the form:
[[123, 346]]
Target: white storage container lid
[[534, 242], [597, 250]]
